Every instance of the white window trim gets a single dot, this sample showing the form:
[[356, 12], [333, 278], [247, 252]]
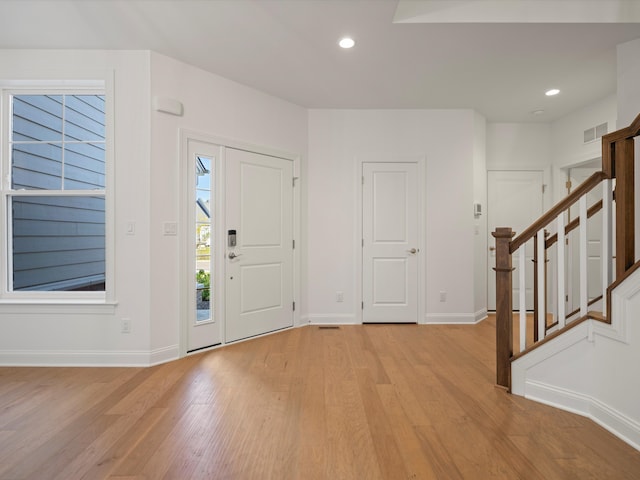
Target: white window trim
[[43, 299]]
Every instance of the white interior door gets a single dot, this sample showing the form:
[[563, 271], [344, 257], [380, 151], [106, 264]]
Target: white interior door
[[390, 227], [514, 200], [203, 322], [259, 267], [594, 236]]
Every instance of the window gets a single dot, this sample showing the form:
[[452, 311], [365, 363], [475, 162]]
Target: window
[[53, 194]]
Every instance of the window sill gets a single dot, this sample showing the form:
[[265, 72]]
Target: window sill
[[67, 307]]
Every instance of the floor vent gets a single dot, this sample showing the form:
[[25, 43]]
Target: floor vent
[[594, 133], [329, 327]]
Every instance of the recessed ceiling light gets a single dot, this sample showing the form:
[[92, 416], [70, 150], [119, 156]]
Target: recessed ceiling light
[[552, 92], [346, 42]]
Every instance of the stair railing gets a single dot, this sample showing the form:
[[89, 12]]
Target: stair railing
[[552, 229]]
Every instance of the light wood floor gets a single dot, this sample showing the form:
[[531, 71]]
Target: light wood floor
[[360, 402]]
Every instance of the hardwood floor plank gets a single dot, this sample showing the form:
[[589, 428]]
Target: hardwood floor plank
[[350, 450], [123, 447], [312, 428], [387, 450], [363, 353], [406, 439], [358, 402], [438, 456]]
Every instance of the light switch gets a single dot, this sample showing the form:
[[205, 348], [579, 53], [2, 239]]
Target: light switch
[[170, 228]]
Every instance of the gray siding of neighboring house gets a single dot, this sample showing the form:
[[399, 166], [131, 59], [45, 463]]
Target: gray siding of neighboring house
[[58, 242]]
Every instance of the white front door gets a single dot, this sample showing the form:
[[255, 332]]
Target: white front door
[[390, 227], [203, 322], [514, 200], [259, 267]]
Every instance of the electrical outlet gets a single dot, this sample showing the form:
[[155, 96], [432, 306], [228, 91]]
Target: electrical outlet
[[125, 325], [443, 296], [339, 296]]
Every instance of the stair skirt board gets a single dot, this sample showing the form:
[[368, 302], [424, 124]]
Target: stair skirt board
[[623, 427]]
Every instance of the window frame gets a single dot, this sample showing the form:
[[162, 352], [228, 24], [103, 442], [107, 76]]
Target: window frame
[[35, 297]]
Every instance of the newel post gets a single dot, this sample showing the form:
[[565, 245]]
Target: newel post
[[625, 205], [504, 306]]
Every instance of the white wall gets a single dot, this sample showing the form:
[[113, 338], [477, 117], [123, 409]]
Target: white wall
[[518, 146], [567, 140], [628, 76], [567, 133], [338, 141], [59, 334], [480, 222], [629, 108], [219, 108], [147, 157]]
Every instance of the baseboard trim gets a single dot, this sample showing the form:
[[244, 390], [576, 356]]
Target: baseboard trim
[[164, 355], [623, 427], [41, 358], [454, 318], [333, 319]]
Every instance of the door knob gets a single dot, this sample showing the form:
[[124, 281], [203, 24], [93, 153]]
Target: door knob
[[492, 248], [233, 255], [413, 251]]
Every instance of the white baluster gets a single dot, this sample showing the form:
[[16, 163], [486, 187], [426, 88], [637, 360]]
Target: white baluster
[[522, 255], [542, 313], [560, 265], [584, 300], [606, 242]]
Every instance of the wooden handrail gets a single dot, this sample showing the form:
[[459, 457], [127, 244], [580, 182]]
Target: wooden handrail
[[573, 224], [556, 210]]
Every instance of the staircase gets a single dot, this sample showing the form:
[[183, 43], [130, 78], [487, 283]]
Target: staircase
[[557, 360]]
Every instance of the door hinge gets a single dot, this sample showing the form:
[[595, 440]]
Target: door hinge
[[294, 306], [568, 184], [294, 244], [363, 242], [362, 306], [293, 182], [363, 179]]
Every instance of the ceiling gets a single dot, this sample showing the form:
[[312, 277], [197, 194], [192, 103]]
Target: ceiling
[[482, 54]]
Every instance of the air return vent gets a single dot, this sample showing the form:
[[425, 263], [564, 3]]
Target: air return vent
[[594, 133]]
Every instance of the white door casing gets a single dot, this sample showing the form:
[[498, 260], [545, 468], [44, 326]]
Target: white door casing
[[390, 234], [514, 199], [259, 269]]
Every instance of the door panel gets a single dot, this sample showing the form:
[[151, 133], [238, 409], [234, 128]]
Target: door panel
[[383, 291], [259, 269], [514, 200], [390, 242]]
